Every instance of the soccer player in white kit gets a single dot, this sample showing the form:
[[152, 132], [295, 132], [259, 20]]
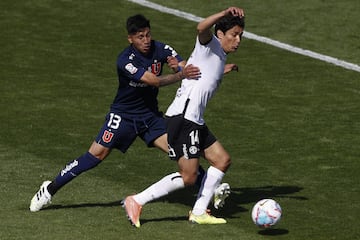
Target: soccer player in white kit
[[188, 135]]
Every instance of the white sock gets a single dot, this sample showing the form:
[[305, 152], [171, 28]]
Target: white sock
[[161, 188], [211, 180]]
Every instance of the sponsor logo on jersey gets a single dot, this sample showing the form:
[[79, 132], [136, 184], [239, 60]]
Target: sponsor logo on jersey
[[179, 91], [193, 150], [186, 155], [137, 84], [131, 68], [107, 136], [69, 167]]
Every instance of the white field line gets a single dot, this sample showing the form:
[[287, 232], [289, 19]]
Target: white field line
[[191, 17]]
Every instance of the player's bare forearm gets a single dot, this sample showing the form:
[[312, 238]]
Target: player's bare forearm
[[171, 78], [189, 71], [208, 22]]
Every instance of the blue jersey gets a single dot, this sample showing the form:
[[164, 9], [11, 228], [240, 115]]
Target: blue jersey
[[134, 96]]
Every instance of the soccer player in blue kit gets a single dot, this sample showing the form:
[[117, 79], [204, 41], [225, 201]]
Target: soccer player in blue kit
[[134, 111]]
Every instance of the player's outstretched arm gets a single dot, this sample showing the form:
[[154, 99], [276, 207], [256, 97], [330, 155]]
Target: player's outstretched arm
[[189, 71], [204, 27]]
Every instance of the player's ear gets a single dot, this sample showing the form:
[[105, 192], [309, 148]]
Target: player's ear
[[219, 34], [130, 39]]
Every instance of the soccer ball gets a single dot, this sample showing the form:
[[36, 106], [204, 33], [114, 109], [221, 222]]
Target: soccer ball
[[266, 213]]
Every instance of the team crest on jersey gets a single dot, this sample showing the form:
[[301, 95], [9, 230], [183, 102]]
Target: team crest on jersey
[[131, 68], [155, 68], [107, 136]]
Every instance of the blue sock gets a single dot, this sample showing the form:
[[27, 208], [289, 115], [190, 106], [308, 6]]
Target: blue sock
[[72, 170]]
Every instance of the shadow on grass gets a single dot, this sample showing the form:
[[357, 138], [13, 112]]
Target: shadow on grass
[[273, 232], [83, 205], [238, 197], [168, 219], [187, 197]]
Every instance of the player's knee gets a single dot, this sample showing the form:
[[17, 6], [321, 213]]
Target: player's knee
[[189, 178], [224, 163], [99, 151], [227, 162]]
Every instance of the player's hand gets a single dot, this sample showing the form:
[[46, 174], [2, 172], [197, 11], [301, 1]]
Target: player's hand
[[230, 67], [235, 11], [173, 63], [191, 72]]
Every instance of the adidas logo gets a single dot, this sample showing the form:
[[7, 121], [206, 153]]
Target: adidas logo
[[69, 167]]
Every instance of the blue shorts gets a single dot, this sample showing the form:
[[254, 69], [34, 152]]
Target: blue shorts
[[120, 130]]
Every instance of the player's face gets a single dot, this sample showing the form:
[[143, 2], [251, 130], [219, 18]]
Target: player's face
[[141, 40], [230, 41]]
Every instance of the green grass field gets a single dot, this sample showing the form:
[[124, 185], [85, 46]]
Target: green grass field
[[290, 123]]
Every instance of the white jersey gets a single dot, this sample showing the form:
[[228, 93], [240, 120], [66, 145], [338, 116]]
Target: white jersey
[[211, 59]]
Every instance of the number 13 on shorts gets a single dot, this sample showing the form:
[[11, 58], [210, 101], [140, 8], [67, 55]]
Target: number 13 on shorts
[[114, 121]]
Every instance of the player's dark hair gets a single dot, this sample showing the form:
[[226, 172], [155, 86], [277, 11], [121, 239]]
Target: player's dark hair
[[228, 22], [136, 23]]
